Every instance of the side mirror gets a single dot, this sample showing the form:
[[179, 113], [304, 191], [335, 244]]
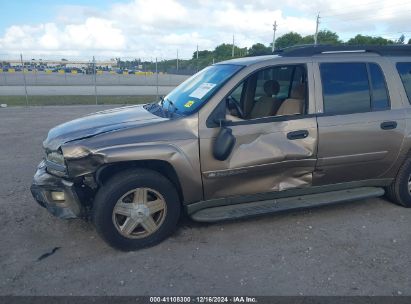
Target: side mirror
[[223, 144]]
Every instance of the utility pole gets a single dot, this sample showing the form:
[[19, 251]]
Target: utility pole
[[156, 81], [232, 52], [177, 60], [197, 58], [316, 29], [24, 78], [274, 29], [95, 78]]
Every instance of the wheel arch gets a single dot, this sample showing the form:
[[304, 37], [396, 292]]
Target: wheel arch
[[403, 156], [163, 167]]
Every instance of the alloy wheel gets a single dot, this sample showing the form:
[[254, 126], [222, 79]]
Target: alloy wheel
[[139, 213]]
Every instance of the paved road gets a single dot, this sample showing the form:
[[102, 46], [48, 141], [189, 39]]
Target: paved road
[[84, 90], [361, 248]]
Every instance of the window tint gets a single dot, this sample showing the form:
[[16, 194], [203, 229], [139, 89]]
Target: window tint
[[380, 99], [345, 87], [404, 68]]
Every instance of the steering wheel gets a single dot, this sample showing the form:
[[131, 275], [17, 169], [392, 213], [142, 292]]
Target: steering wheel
[[237, 106]]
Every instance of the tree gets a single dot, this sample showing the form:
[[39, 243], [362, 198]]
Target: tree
[[368, 40], [409, 41], [288, 40], [292, 38], [309, 39], [401, 40], [224, 51], [259, 49], [328, 37], [202, 54]]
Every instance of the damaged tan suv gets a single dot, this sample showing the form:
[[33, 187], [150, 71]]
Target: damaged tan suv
[[305, 127]]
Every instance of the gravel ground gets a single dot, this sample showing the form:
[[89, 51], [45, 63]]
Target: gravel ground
[[360, 248]]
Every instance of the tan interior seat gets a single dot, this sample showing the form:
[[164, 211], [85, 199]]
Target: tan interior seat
[[294, 104], [264, 106]]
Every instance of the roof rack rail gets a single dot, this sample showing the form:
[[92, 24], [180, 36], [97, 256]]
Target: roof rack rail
[[311, 50]]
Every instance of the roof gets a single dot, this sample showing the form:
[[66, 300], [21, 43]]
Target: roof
[[248, 60], [312, 50]]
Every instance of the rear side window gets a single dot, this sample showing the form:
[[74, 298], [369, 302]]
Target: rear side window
[[345, 88], [404, 68], [379, 94], [353, 88]]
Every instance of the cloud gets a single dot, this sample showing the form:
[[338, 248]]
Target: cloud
[[157, 28], [93, 34], [153, 12]]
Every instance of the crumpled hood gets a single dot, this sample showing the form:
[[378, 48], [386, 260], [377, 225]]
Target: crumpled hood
[[97, 123]]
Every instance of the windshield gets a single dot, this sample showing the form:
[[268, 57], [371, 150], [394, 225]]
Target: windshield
[[196, 90]]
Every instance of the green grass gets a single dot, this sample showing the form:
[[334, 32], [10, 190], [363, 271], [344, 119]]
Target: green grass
[[74, 100]]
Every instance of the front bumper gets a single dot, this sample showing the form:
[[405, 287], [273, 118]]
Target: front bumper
[[45, 183]]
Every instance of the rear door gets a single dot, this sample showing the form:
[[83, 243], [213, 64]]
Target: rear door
[[360, 133]]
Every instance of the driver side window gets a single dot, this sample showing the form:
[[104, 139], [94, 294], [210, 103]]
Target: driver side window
[[274, 91]]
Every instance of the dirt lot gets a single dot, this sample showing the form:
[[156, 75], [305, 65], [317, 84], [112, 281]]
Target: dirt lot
[[361, 248]]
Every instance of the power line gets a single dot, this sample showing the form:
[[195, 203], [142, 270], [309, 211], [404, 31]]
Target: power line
[[401, 32], [362, 11], [366, 3], [365, 7], [402, 13], [378, 17]]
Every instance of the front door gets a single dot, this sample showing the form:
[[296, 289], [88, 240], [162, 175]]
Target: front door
[[276, 136]]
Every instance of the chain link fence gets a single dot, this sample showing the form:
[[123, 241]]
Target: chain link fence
[[27, 80]]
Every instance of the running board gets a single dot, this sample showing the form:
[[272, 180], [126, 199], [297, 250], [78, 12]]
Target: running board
[[237, 211]]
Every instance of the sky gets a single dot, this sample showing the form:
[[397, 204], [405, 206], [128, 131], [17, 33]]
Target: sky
[[159, 28]]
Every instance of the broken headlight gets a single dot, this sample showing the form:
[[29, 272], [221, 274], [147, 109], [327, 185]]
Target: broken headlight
[[55, 157], [55, 163]]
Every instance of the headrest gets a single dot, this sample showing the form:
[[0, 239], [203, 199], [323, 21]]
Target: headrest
[[271, 87], [298, 92]]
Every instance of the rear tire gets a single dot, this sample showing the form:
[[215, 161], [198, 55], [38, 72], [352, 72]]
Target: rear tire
[[399, 191], [136, 209]]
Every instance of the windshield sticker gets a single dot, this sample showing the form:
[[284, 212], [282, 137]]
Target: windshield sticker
[[202, 90], [189, 103]]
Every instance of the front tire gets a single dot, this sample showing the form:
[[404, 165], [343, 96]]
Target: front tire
[[399, 191], [136, 209]]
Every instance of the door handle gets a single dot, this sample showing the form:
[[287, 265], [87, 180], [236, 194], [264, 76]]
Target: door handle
[[388, 125], [297, 134]]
